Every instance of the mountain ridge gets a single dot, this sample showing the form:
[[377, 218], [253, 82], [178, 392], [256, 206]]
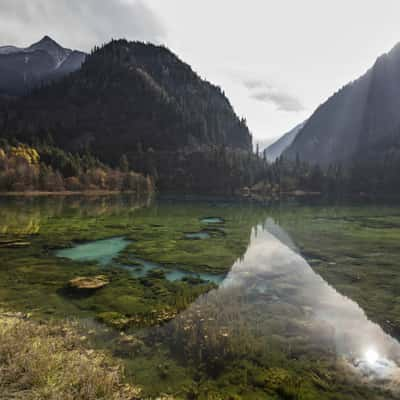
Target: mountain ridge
[[359, 122], [147, 88], [275, 149], [23, 69]]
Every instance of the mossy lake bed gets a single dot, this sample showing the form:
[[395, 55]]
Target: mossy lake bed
[[213, 299]]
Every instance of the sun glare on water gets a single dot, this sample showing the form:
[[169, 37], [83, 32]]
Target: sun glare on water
[[371, 356]]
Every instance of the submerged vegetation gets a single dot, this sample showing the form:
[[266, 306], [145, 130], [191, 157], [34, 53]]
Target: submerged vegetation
[[122, 298], [357, 252], [156, 234], [254, 335]]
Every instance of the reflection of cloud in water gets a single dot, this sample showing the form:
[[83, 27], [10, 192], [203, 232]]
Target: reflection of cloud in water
[[271, 266]]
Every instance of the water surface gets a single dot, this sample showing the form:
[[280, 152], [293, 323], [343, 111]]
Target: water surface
[[291, 302], [102, 251], [212, 220], [197, 235]]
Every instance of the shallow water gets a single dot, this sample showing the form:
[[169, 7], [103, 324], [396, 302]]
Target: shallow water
[[197, 235], [272, 266], [105, 250], [303, 303], [212, 220], [102, 251], [172, 274]]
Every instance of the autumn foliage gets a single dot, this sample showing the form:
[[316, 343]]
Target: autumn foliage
[[23, 169]]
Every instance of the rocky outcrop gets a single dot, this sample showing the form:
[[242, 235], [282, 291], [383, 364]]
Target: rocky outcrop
[[88, 282]]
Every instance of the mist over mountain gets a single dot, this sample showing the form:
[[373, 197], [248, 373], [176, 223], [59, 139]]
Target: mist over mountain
[[359, 122], [275, 150], [22, 69]]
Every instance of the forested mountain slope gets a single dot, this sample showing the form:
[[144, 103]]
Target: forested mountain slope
[[141, 102], [361, 122], [128, 96]]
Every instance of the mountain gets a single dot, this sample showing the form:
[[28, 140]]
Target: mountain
[[361, 122], [128, 95], [274, 151], [137, 100], [22, 69], [263, 144]]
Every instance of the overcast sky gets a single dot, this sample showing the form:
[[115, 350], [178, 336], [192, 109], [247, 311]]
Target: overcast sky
[[276, 60]]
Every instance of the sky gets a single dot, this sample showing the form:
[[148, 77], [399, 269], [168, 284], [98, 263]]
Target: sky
[[275, 60]]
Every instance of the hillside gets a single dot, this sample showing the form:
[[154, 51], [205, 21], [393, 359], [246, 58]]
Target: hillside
[[22, 69], [361, 122], [141, 102], [125, 96], [274, 151]]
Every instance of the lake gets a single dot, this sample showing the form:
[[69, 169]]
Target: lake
[[213, 299]]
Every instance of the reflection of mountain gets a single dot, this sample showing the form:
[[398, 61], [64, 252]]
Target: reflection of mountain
[[271, 265], [272, 288]]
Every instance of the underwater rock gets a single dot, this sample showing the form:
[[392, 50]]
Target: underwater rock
[[128, 345], [89, 282], [113, 319]]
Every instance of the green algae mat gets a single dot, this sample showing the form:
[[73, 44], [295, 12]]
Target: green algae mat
[[207, 299]]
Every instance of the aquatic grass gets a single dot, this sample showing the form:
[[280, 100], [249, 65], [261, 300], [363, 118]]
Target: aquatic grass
[[59, 223], [358, 252], [231, 355], [218, 338], [52, 361]]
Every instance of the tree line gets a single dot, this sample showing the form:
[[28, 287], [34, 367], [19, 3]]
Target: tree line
[[48, 168], [206, 169], [377, 178]]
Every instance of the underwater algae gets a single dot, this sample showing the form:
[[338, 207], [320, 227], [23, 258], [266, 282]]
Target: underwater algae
[[253, 335], [128, 232]]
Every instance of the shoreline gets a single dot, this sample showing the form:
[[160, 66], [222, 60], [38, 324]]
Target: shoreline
[[37, 193]]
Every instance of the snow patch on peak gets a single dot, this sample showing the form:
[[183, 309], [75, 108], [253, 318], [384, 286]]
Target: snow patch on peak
[[50, 46]]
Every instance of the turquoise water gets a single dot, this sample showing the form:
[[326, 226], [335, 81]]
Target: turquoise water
[[142, 268], [197, 235], [212, 220], [102, 251], [173, 275], [177, 275], [105, 250], [306, 307]]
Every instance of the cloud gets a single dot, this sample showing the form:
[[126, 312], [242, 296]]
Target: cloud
[[264, 91], [252, 84], [283, 101], [79, 24]]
